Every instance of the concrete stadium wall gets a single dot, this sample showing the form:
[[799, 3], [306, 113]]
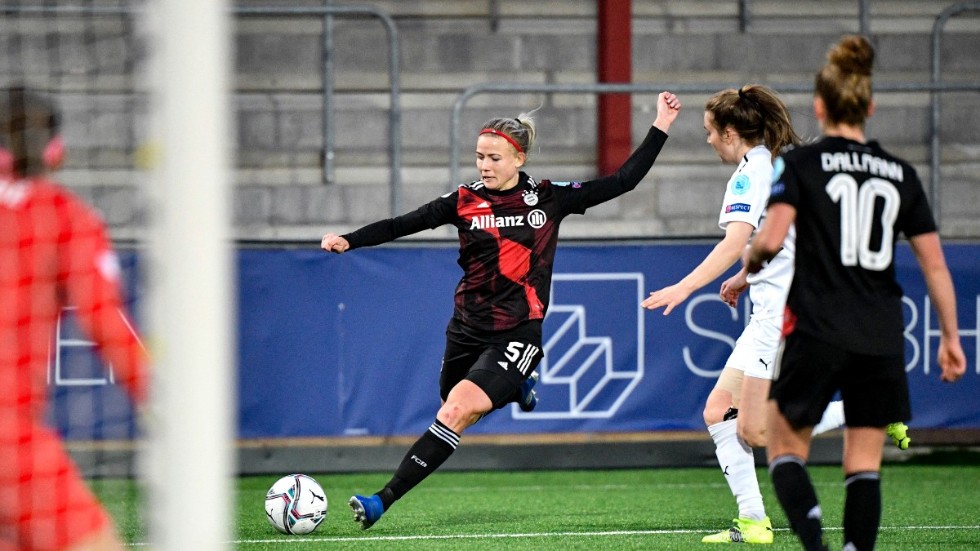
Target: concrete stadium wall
[[448, 45]]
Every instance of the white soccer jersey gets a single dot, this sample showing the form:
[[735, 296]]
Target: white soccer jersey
[[745, 201]]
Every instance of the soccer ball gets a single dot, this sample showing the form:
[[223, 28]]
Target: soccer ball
[[295, 504]]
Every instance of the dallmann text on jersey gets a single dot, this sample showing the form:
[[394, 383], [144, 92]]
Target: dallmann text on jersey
[[862, 162]]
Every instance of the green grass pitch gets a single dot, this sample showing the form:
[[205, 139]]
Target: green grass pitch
[[926, 506]]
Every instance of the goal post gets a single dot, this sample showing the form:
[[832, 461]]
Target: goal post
[[137, 92], [191, 448]]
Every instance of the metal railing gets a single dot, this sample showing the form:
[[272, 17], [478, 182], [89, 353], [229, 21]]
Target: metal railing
[[394, 78], [602, 88], [934, 87], [864, 16], [326, 11], [934, 122]]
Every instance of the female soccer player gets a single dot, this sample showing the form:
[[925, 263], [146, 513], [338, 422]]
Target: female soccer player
[[54, 252], [745, 127], [849, 200], [508, 230]]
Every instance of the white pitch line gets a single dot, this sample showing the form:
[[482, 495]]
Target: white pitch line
[[348, 539], [550, 535]]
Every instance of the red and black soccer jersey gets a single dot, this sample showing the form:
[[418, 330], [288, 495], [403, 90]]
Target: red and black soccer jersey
[[852, 202], [507, 239]]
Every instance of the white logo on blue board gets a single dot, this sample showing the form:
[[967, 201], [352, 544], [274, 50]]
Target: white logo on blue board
[[741, 184], [595, 371]]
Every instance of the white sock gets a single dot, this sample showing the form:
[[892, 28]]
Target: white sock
[[738, 465], [833, 417]]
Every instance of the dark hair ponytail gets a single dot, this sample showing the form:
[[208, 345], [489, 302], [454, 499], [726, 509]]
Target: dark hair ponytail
[[756, 113]]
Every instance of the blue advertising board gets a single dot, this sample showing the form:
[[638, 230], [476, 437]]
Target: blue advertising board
[[350, 345]]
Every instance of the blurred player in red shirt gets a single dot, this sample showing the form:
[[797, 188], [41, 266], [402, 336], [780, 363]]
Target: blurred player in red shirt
[[54, 253]]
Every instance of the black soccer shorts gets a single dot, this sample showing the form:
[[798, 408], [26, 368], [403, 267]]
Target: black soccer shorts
[[496, 361], [874, 389]]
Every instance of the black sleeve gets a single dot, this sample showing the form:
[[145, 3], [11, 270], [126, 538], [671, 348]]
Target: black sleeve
[[917, 218], [785, 186], [600, 190], [428, 216]]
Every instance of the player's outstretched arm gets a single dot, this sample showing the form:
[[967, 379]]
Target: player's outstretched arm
[[722, 257], [635, 168], [929, 253], [431, 215]]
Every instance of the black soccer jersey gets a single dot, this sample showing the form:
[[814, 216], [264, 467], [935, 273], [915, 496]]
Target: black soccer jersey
[[852, 201], [507, 239]]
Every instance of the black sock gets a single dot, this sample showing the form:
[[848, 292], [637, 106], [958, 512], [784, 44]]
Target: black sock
[[424, 457], [862, 509], [798, 498]]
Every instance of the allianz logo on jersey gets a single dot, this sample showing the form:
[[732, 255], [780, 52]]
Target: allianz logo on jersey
[[536, 218]]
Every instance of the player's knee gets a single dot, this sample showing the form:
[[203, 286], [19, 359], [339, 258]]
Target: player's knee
[[713, 414], [753, 435], [458, 415]]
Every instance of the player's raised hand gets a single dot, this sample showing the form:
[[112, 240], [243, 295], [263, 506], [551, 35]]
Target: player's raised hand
[[333, 243], [668, 106]]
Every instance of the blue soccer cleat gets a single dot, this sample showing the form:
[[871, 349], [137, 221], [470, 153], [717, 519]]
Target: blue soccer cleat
[[367, 510], [529, 399]]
